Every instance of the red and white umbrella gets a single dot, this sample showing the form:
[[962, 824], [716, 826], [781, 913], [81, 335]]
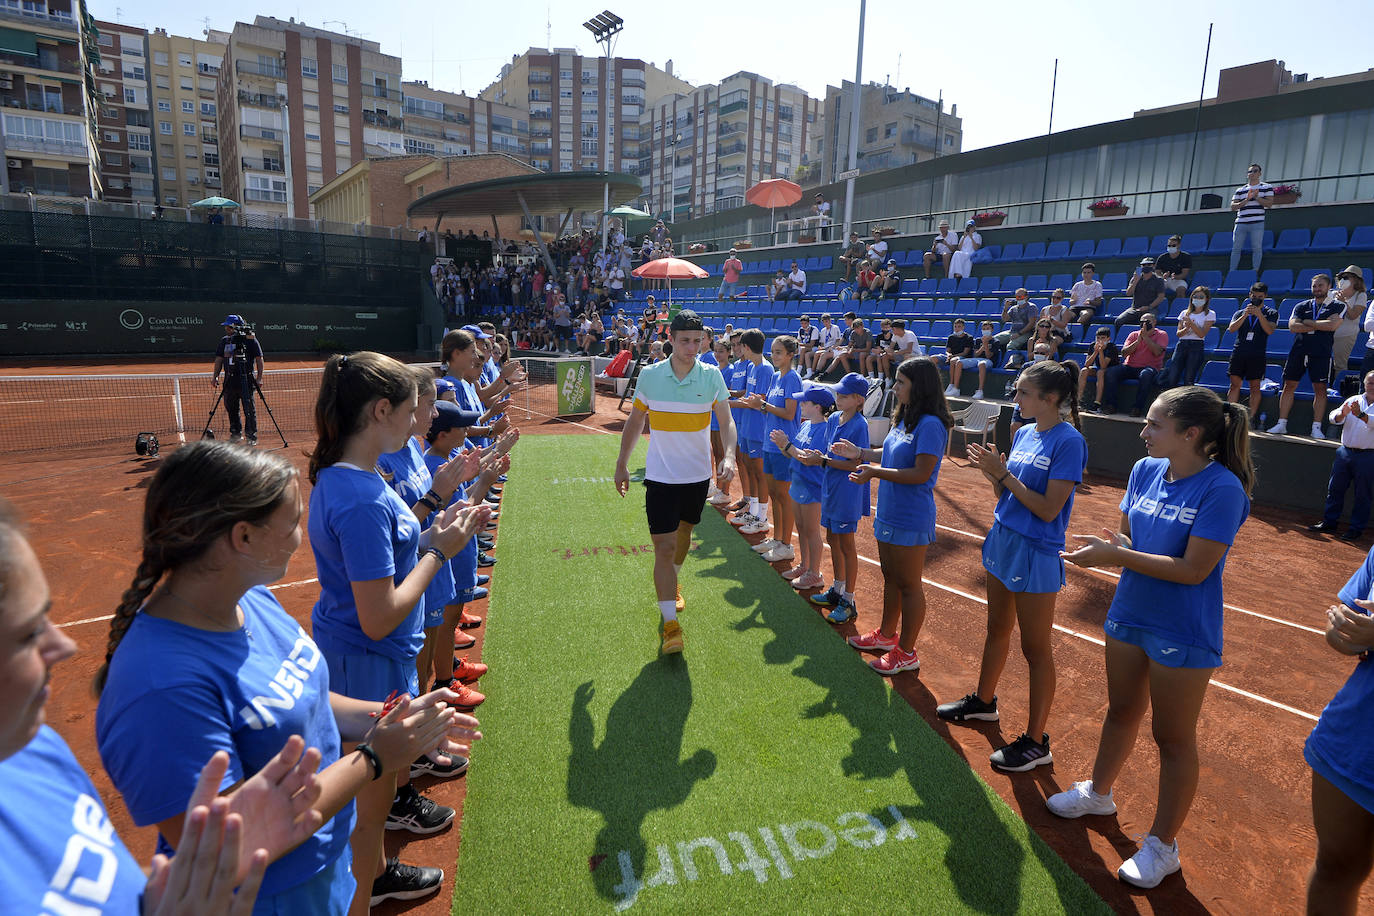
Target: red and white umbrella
[[774, 192], [669, 269]]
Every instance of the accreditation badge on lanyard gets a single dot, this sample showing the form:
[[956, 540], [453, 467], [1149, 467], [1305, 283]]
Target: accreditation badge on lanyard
[[1252, 323]]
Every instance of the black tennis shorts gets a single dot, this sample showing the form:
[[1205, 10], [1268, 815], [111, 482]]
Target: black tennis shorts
[[670, 504]]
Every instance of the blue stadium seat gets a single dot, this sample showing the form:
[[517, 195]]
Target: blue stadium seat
[[1327, 239], [920, 307], [1035, 284], [1056, 251], [1237, 283], [1116, 306], [813, 289], [965, 306], [1220, 244], [1011, 253], [987, 254], [1137, 246], [928, 286], [1061, 281], [947, 286], [1278, 281], [989, 285], [900, 257], [992, 307], [825, 262], [1011, 283], [911, 287], [1158, 243], [1034, 251], [919, 327], [1195, 242], [941, 329], [1107, 248], [1114, 283], [867, 307], [828, 289], [943, 307], [1280, 342], [1361, 239], [1214, 375], [967, 285], [1303, 284], [1210, 279], [1082, 250], [1286, 307], [1293, 241]]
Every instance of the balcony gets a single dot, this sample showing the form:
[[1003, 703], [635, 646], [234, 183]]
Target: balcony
[[259, 100], [541, 149], [730, 149], [52, 106], [632, 83], [541, 132], [57, 19], [263, 165], [208, 69], [211, 159], [270, 197], [912, 137], [140, 167], [44, 60], [541, 114], [54, 147], [729, 130], [136, 118], [381, 92], [733, 107], [275, 71], [537, 76], [256, 133], [382, 119], [209, 136]]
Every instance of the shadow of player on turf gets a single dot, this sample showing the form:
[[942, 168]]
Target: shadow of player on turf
[[637, 769]]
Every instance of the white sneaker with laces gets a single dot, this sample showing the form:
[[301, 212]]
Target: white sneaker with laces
[[1279, 428], [756, 526], [1151, 865], [720, 499], [766, 545], [1317, 431], [780, 553], [951, 391], [978, 395], [1080, 799]]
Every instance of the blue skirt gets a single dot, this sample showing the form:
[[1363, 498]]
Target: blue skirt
[[1020, 566]]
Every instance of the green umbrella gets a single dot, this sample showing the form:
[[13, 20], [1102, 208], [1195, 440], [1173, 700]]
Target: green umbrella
[[209, 202], [628, 211]]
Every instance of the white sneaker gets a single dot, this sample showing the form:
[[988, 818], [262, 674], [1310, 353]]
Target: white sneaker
[[720, 499], [1080, 799], [742, 519], [1317, 431], [780, 553], [756, 526], [951, 391], [766, 545], [978, 395], [1279, 428], [1151, 865]]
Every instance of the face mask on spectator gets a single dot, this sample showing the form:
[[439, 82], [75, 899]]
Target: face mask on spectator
[[1199, 301], [1173, 249], [1343, 284]]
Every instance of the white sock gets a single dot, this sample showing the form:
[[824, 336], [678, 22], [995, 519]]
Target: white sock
[[753, 505], [668, 609], [848, 596], [763, 512], [677, 570]]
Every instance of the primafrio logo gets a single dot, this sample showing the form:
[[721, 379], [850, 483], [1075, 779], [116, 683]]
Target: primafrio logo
[[131, 319]]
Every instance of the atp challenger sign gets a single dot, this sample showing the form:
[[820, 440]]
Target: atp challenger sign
[[574, 378]]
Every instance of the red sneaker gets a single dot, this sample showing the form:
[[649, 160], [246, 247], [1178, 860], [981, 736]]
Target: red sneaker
[[468, 672], [468, 698], [468, 621], [462, 640], [895, 661], [874, 641]]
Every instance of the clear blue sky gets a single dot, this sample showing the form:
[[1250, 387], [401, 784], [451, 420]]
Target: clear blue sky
[[993, 58]]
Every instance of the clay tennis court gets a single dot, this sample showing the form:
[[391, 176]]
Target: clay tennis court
[[1248, 841]]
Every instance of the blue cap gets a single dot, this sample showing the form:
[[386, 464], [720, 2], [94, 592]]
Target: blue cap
[[451, 416], [818, 394], [852, 383], [443, 386], [477, 332], [231, 320]]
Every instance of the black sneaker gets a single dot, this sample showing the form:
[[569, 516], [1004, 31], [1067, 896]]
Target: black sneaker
[[485, 560], [423, 766], [252, 440], [970, 707], [412, 811], [1025, 753], [405, 882]]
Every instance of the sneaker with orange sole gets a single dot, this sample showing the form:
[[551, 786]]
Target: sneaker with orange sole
[[462, 640], [672, 637], [681, 601], [468, 697], [468, 672], [469, 621]]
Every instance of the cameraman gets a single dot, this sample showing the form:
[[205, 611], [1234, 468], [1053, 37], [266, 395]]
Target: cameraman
[[236, 348]]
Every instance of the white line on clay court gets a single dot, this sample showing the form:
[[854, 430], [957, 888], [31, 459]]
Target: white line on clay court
[[77, 623]]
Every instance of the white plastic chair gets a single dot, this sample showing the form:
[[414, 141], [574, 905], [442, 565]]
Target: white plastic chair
[[977, 419]]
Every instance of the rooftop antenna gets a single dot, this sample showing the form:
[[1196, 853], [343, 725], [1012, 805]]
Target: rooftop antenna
[[899, 68], [548, 27]]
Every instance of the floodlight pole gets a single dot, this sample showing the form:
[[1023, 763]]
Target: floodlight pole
[[605, 27], [854, 125]]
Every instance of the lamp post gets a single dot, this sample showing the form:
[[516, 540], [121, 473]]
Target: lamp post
[[605, 26]]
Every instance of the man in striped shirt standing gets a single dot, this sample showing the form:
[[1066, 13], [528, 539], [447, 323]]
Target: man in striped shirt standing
[[1249, 203], [678, 395]]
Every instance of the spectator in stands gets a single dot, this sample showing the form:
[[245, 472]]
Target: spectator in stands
[[1146, 290], [1194, 325], [858, 347], [959, 354], [905, 344], [828, 338], [1085, 299], [616, 283], [1101, 357], [562, 319], [1354, 464], [854, 254], [1349, 290], [821, 211], [961, 262], [1249, 203], [941, 248], [807, 336], [866, 280], [730, 271], [777, 290], [1313, 323], [888, 283], [796, 283], [1252, 326], [877, 252], [1143, 355], [1174, 266], [1045, 344], [1021, 314], [876, 367], [1058, 315]]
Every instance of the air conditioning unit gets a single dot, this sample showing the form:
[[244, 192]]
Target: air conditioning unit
[[14, 163], [6, 82]]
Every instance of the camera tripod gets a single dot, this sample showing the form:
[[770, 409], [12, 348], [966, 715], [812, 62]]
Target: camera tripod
[[242, 375]]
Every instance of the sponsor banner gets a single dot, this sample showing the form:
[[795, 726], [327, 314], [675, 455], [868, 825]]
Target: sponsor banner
[[70, 327], [574, 378]]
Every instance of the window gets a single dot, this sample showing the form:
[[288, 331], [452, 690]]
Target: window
[[890, 129], [114, 159], [187, 84], [184, 60], [164, 127], [341, 109], [164, 104], [106, 40], [191, 151], [309, 68], [207, 109], [162, 82], [130, 97], [160, 58], [871, 135], [189, 129], [340, 73], [169, 173], [310, 136], [170, 200], [140, 141], [134, 73], [188, 106], [949, 139], [111, 136], [211, 176]]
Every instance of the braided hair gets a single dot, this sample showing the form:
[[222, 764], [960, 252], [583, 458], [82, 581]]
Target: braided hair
[[198, 495]]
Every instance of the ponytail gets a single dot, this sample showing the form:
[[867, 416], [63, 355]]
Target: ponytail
[[1051, 378], [1225, 428], [1072, 368], [146, 578], [1233, 448], [350, 382]]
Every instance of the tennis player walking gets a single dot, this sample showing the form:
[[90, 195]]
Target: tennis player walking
[[678, 395]]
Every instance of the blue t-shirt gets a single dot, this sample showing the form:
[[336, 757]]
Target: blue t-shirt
[[911, 507], [843, 500], [1059, 453], [1343, 740], [709, 359], [760, 380], [360, 530], [176, 694], [783, 387], [810, 435], [737, 379], [412, 477], [467, 397], [61, 851], [462, 566], [1210, 504]]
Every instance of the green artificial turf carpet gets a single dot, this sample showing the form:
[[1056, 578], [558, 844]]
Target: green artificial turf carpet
[[765, 769]]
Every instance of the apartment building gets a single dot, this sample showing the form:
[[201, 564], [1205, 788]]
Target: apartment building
[[183, 108], [896, 128], [122, 123], [584, 112], [440, 123], [47, 94], [298, 106], [701, 150]]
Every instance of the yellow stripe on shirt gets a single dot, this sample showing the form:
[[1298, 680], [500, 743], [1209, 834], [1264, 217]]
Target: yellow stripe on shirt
[[678, 422]]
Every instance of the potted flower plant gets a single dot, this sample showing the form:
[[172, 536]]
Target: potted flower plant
[[743, 243], [1286, 193], [696, 248], [1108, 206], [989, 218]]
